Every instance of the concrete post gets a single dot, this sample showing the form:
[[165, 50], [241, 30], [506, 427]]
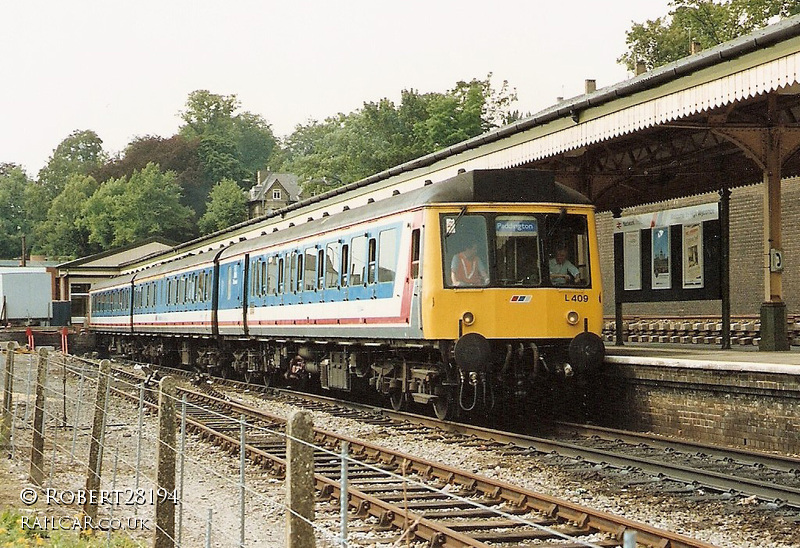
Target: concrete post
[[300, 481], [165, 457], [95, 467], [37, 445], [8, 390]]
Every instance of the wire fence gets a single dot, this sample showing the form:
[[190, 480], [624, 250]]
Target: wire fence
[[96, 464]]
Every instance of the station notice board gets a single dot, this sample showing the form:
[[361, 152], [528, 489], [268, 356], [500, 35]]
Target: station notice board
[[671, 255]]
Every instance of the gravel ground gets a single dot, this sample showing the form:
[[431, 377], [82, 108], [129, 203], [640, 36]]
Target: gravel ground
[[211, 480], [713, 522]]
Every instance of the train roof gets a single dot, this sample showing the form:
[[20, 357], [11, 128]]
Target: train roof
[[184, 263], [479, 186]]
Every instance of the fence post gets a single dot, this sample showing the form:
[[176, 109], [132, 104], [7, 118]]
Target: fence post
[[300, 481], [37, 445], [165, 457], [242, 492], [343, 495], [8, 390], [95, 445]]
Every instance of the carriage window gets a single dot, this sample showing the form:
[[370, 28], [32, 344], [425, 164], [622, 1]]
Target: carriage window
[[372, 259], [345, 262], [358, 255], [299, 272], [333, 261], [255, 272], [567, 250], [465, 249], [387, 255], [310, 266], [291, 267], [263, 289], [272, 276], [282, 274], [415, 250], [321, 269], [517, 251]]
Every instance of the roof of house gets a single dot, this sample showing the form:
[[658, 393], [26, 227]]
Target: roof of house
[[289, 181]]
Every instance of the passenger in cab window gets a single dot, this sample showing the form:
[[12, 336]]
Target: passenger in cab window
[[562, 271], [467, 269]]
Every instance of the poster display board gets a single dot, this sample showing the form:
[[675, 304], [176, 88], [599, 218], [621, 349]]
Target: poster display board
[[632, 255], [693, 256], [670, 255], [661, 259]]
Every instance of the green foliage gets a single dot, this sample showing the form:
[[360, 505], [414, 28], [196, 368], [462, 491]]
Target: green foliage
[[64, 232], [84, 202], [380, 135], [227, 206], [100, 212], [220, 158], [667, 39], [123, 211], [177, 154], [16, 195], [81, 152], [245, 140], [208, 114]]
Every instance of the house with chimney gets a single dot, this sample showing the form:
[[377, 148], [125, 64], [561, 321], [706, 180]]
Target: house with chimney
[[271, 192]]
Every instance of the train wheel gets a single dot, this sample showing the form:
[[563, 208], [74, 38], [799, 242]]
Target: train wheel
[[397, 399], [443, 407], [267, 379], [250, 376]]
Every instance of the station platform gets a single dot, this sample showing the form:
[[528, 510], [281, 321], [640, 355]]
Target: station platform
[[745, 358], [739, 398]]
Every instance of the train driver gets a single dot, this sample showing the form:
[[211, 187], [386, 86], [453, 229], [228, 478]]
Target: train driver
[[467, 269], [562, 271]]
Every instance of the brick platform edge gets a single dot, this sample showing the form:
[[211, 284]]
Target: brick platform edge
[[756, 410]]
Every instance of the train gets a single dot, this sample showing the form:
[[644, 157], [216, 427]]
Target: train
[[459, 295]]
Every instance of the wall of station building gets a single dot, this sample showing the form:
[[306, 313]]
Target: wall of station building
[[746, 254]]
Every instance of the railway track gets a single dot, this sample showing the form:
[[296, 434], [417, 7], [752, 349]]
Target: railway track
[[694, 469], [436, 503]]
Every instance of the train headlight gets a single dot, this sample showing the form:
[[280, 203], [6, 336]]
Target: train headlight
[[572, 317], [468, 318]]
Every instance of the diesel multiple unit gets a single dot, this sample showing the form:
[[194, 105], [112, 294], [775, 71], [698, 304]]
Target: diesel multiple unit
[[457, 294]]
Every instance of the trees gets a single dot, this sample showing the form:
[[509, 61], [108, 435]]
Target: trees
[[123, 211], [708, 22], [86, 202], [380, 135], [177, 154], [227, 206], [231, 145], [65, 232], [15, 217], [81, 152]]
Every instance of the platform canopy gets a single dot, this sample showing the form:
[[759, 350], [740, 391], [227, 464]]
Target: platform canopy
[[714, 119]]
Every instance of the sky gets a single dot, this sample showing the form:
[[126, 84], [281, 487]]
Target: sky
[[124, 69]]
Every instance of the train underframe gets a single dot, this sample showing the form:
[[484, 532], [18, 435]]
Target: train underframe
[[398, 374]]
